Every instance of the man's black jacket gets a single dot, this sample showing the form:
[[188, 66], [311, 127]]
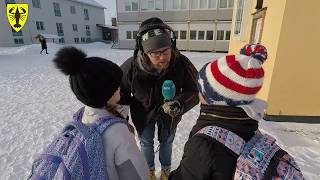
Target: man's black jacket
[[141, 88]]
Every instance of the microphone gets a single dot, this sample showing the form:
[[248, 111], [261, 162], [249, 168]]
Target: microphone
[[168, 90]]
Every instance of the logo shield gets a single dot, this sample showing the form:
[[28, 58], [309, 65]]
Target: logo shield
[[17, 15]]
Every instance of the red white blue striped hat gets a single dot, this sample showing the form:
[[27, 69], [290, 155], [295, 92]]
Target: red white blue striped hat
[[233, 79]]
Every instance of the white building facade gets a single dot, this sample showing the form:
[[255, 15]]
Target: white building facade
[[74, 21], [200, 25]]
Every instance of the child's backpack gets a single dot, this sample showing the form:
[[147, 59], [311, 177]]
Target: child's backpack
[[76, 153], [260, 158]]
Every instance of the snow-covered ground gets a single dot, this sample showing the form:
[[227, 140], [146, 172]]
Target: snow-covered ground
[[36, 101]]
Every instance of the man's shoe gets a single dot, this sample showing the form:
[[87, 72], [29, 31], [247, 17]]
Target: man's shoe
[[152, 175], [165, 174]]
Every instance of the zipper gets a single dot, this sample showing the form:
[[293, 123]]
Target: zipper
[[224, 117]]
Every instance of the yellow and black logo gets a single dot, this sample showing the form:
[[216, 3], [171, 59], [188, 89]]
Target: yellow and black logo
[[17, 15]]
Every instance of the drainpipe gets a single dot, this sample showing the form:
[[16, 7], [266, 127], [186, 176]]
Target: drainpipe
[[163, 7], [139, 11], [188, 31], [29, 29], [215, 28]]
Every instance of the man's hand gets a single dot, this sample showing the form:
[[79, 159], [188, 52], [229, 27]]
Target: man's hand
[[173, 108]]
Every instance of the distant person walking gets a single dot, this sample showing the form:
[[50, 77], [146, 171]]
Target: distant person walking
[[43, 43]]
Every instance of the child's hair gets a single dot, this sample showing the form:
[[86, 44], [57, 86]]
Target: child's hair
[[93, 80], [113, 110]]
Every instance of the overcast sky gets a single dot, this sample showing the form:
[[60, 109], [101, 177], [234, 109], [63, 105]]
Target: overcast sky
[[110, 11]]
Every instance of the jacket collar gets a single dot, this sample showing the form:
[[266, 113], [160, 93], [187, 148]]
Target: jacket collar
[[223, 112], [90, 115]]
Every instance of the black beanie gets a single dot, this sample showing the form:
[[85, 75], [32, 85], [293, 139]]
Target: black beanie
[[93, 80], [155, 34]]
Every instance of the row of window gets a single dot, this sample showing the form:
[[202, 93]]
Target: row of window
[[18, 41], [150, 5], [56, 8], [57, 11], [194, 35], [61, 40], [83, 40], [74, 28], [40, 26]]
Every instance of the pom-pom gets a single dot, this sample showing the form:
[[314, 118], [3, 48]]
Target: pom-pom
[[255, 51], [69, 60]]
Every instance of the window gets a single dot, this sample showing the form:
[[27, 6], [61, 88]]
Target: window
[[143, 4], [176, 4], [135, 34], [226, 3], [56, 8], [88, 40], [74, 27], [88, 33], [209, 35], [212, 3], [129, 35], [176, 34], [230, 3], [158, 4], [228, 35], [61, 40], [36, 3], [131, 6], [184, 4], [238, 20], [259, 4], [220, 34], [86, 14], [83, 39], [151, 5], [194, 4], [73, 10], [203, 4], [76, 40], [39, 25], [127, 7], [59, 29], [193, 35], [134, 6], [15, 33], [18, 41], [257, 26], [201, 35], [183, 35]]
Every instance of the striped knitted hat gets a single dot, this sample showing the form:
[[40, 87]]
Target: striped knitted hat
[[233, 80]]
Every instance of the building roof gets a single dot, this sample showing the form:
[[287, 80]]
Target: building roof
[[107, 26], [90, 3]]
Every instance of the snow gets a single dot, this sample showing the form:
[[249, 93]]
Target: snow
[[36, 102]]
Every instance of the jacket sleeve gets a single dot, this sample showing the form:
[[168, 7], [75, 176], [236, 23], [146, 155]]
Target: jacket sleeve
[[128, 160], [189, 96], [125, 85]]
